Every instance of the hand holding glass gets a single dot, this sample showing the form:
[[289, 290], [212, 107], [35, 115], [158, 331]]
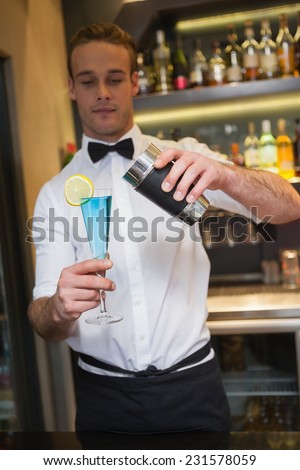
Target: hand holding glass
[[96, 214]]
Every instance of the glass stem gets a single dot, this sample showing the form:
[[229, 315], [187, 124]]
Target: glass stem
[[103, 310]]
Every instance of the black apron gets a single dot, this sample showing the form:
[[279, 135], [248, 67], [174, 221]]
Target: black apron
[[153, 401]]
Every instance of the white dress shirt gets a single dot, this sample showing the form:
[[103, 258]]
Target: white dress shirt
[[161, 269]]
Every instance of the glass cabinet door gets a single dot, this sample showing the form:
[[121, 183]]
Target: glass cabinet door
[[7, 404], [20, 405]]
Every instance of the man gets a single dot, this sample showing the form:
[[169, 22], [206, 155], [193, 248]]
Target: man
[[157, 279]]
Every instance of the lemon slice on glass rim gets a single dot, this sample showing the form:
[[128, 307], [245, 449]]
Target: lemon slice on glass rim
[[78, 187]]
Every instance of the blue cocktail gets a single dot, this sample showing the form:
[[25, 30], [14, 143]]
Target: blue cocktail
[[96, 214]]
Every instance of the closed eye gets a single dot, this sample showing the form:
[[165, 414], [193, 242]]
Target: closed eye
[[115, 80]]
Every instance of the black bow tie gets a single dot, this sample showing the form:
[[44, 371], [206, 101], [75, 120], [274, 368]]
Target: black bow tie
[[97, 150]]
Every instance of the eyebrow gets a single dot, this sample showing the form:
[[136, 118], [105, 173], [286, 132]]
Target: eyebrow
[[91, 72]]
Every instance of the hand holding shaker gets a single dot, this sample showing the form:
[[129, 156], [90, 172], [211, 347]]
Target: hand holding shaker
[[147, 180]]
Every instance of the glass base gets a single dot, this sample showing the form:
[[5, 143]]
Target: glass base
[[104, 319]]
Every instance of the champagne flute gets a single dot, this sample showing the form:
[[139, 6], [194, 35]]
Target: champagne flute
[[96, 215]]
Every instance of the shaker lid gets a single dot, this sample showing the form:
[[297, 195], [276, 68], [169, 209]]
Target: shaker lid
[[142, 166]]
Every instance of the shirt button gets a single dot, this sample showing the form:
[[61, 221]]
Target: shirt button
[[138, 302], [142, 337]]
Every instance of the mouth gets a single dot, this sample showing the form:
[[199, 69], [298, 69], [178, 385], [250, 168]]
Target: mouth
[[104, 110]]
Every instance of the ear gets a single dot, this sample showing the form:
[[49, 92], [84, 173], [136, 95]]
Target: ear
[[71, 87], [134, 83]]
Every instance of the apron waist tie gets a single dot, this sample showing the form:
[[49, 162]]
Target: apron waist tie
[[151, 369]]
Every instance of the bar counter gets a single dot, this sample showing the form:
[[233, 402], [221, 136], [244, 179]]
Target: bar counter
[[177, 441], [247, 310]]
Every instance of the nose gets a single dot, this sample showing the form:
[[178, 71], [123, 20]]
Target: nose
[[102, 91]]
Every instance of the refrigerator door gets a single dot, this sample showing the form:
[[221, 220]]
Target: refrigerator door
[[20, 404], [36, 376], [7, 403]]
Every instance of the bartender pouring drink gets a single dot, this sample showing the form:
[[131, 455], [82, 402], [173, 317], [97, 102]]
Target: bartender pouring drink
[[154, 373]]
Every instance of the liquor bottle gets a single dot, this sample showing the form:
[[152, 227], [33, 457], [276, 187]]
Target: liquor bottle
[[267, 149], [162, 64], [297, 47], [146, 84], [285, 48], [216, 66], [148, 61], [285, 153], [180, 66], [268, 61], [175, 133], [233, 57], [198, 74], [235, 155], [250, 55], [251, 145], [296, 147]]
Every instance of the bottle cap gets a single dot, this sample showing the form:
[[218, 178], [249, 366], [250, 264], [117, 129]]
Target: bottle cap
[[235, 148], [281, 125], [266, 126], [160, 36]]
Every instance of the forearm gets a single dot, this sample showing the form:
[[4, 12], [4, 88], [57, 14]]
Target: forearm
[[46, 322], [268, 194]]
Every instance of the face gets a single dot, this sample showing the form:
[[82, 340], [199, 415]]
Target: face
[[103, 88]]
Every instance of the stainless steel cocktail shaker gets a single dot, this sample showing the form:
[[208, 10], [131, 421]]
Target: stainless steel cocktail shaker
[[147, 180]]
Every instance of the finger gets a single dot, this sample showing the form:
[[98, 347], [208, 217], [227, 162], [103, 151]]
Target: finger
[[95, 294], [69, 301], [105, 284], [189, 178], [76, 308], [174, 175], [167, 156], [93, 282], [87, 296], [90, 266], [68, 283], [177, 171], [203, 183]]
